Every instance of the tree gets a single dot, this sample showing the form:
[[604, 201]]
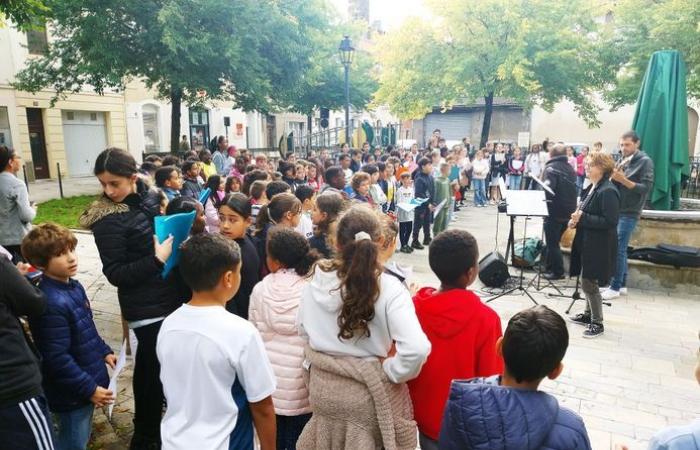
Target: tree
[[247, 51], [24, 14], [535, 52], [323, 83], [631, 37]]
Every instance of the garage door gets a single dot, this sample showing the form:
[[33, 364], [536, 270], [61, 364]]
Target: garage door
[[452, 126], [84, 136]]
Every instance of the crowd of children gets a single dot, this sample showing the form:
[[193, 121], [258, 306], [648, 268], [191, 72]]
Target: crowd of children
[[285, 316]]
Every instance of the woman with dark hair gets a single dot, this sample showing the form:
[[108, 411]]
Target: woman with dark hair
[[217, 186], [16, 213], [132, 260], [594, 251], [360, 325]]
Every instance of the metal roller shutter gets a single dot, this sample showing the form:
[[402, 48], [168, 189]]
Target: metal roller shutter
[[453, 126]]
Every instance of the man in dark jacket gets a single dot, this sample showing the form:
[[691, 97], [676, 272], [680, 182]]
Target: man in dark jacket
[[634, 177], [560, 177], [508, 412], [24, 416]]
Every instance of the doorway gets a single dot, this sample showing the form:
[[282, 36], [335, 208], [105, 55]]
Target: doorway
[[37, 143]]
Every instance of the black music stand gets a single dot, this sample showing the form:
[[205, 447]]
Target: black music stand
[[522, 204]]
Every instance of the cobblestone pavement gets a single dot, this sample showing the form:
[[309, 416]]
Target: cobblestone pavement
[[627, 384]]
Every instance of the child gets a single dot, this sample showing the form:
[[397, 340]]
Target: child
[[169, 180], [516, 167], [375, 190], [300, 173], [191, 187], [480, 171], [258, 198], [326, 210], [73, 353], [443, 193], [233, 184], [216, 185], [185, 205], [25, 421], [424, 188], [234, 220], [307, 197], [132, 260], [404, 194], [204, 352], [284, 210], [360, 185], [313, 177], [273, 310], [388, 184], [344, 161], [462, 330], [532, 347], [355, 316]]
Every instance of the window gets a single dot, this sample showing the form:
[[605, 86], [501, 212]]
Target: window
[[93, 117], [70, 115], [5, 136], [151, 138], [37, 42]]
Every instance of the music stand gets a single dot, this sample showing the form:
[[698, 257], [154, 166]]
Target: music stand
[[523, 204]]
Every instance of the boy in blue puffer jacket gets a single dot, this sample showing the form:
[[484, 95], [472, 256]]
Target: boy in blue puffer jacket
[[73, 354], [508, 412]]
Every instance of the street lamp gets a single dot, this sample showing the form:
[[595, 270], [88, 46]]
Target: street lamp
[[347, 51]]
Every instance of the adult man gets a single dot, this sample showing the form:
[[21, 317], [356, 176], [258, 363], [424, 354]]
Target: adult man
[[16, 213], [220, 156], [561, 178], [184, 144], [634, 177]]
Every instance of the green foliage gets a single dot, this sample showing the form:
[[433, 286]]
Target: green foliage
[[641, 27], [24, 14], [323, 82], [247, 51], [531, 51]]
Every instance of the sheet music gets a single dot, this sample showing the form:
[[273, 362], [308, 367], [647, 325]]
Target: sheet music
[[121, 362], [527, 203]]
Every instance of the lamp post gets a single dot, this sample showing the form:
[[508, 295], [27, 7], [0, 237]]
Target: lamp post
[[347, 52]]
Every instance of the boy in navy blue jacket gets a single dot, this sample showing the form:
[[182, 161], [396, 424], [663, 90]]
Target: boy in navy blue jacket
[[508, 412], [73, 354]]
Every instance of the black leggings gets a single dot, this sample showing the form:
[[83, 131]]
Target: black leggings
[[405, 229], [148, 389]]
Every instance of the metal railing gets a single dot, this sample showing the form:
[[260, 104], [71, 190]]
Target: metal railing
[[691, 186]]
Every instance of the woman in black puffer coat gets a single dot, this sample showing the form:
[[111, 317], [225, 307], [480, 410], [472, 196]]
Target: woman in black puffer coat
[[132, 260]]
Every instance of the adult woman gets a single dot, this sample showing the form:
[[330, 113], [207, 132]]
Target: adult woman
[[16, 213], [364, 340], [594, 250], [132, 260]]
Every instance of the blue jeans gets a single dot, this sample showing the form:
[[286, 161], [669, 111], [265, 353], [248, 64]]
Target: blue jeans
[[74, 428], [479, 191], [625, 228], [514, 182]]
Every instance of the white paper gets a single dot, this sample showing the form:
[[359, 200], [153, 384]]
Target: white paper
[[408, 207], [439, 207], [527, 203], [121, 362]]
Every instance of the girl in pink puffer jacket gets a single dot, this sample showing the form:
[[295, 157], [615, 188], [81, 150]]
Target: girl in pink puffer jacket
[[274, 303]]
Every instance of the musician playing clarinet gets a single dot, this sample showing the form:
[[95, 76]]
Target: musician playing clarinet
[[594, 250], [634, 178]]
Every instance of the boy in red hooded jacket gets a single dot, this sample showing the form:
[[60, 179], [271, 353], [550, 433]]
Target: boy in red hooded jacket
[[462, 330]]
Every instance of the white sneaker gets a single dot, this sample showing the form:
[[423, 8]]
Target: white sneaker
[[623, 290], [610, 294]]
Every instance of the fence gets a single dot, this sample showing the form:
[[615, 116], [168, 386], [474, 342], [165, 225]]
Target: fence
[[691, 186]]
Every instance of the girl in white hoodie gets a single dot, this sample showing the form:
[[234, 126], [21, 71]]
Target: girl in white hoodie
[[274, 303]]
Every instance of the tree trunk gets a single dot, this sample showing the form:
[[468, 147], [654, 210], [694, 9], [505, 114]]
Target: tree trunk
[[486, 127], [175, 102], [309, 126]]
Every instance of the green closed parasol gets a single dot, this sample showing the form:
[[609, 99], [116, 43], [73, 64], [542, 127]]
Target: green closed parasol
[[661, 121]]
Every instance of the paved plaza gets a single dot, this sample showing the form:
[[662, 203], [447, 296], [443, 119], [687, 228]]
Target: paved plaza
[[635, 379]]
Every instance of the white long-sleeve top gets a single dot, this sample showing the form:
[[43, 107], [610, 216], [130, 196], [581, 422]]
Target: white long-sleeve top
[[394, 321]]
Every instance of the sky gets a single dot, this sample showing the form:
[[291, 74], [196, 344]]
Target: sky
[[390, 12]]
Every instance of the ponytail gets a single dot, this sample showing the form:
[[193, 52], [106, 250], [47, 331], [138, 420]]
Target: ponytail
[[359, 270], [274, 211]]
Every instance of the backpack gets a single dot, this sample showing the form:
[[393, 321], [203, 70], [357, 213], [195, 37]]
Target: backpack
[[527, 252]]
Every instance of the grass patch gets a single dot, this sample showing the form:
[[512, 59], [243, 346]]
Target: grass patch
[[65, 211]]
